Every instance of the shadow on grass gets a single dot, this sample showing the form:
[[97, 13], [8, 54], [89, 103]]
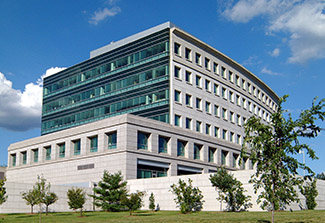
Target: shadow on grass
[[26, 216], [63, 214], [142, 214], [263, 221]]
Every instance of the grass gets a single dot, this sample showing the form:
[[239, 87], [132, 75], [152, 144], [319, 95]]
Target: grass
[[170, 216]]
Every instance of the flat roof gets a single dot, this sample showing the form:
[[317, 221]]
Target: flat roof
[[114, 45]]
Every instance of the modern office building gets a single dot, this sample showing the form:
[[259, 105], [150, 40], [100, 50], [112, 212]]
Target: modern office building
[[192, 98]]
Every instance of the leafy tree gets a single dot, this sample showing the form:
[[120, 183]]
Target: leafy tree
[[310, 192], [230, 190], [272, 147], [132, 201], [76, 199], [152, 205], [3, 196], [320, 176], [31, 198], [109, 191], [188, 198], [40, 194], [50, 198]]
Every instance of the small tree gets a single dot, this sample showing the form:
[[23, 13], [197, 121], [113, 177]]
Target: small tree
[[50, 198], [272, 146], [152, 205], [133, 201], [230, 190], [3, 196], [188, 198], [31, 198], [109, 191], [76, 199], [310, 192]]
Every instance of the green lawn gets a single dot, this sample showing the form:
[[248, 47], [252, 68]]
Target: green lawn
[[170, 216]]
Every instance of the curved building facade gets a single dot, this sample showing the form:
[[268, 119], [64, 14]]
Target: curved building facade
[[198, 99]]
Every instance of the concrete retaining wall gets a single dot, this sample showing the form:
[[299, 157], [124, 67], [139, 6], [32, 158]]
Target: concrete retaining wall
[[160, 187]]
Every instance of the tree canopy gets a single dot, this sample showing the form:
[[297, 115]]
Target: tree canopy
[[271, 148], [76, 199], [109, 191], [230, 190]]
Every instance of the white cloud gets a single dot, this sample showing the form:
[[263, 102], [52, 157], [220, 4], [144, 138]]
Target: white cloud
[[21, 111], [275, 52], [102, 14], [265, 70], [302, 20]]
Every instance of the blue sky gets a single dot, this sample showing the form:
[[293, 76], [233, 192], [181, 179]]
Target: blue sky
[[281, 41]]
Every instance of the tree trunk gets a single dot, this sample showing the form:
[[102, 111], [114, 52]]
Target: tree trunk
[[47, 209], [220, 205], [273, 212], [80, 212], [31, 209]]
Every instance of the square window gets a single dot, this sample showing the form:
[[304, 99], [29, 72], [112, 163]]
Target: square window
[[211, 153], [61, 150], [198, 58], [231, 116], [238, 100], [207, 63], [207, 129], [215, 68], [47, 152], [234, 160], [231, 96], [24, 157], [188, 54], [223, 72], [177, 72], [181, 145], [216, 89], [224, 113], [177, 49], [238, 139], [13, 159], [224, 93], [216, 110], [112, 140], [35, 155], [238, 120], [207, 85], [177, 96], [198, 81], [243, 84], [216, 132], [231, 77], [199, 103], [197, 151], [237, 81], [188, 100], [93, 144], [188, 77], [143, 140], [198, 126], [224, 156], [188, 123], [224, 134], [231, 137], [177, 120], [208, 107], [163, 144], [76, 147]]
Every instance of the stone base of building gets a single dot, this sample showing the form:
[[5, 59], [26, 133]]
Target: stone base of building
[[160, 187]]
